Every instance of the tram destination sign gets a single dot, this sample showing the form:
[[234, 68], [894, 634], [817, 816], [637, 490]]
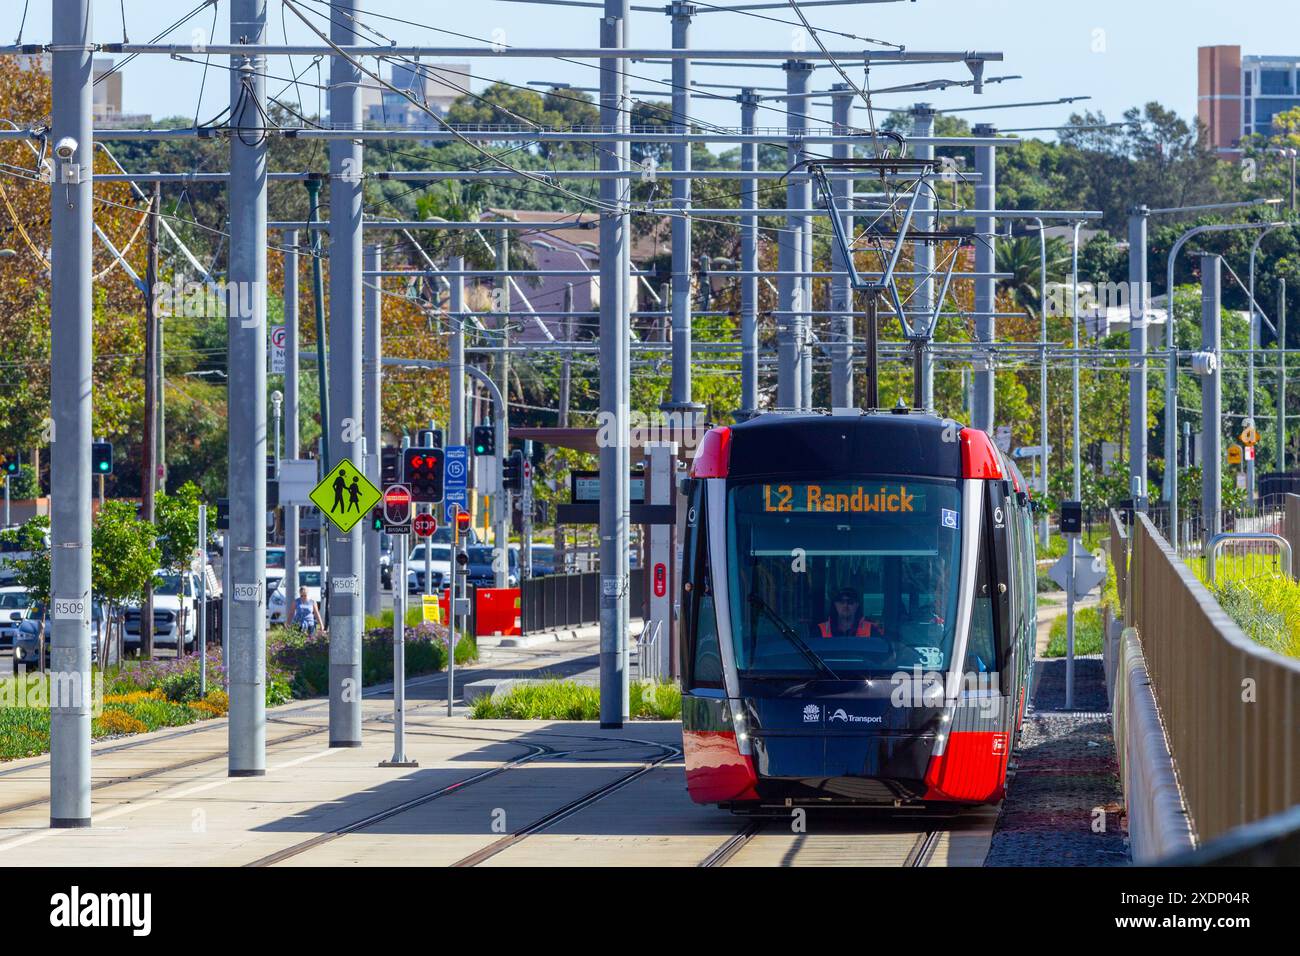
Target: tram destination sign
[[844, 498]]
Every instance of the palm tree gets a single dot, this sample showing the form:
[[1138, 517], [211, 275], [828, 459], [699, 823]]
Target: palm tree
[[1021, 256]]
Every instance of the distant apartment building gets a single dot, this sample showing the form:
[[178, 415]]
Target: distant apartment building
[[106, 94], [435, 85], [1238, 96]]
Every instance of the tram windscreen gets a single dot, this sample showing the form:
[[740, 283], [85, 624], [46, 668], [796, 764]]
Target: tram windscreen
[[837, 579]]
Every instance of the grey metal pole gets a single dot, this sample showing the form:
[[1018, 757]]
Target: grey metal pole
[[292, 515], [749, 261], [923, 252], [1137, 339], [628, 303], [613, 527], [1211, 398], [72, 348], [1069, 625], [841, 290], [566, 367], [456, 416], [8, 522], [246, 398], [346, 419], [1046, 530], [985, 289], [399, 758], [225, 609], [1076, 437], [804, 257], [1281, 375], [789, 247], [201, 625], [501, 500], [680, 401], [373, 374]]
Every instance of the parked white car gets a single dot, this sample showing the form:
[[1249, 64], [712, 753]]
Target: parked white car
[[175, 612], [309, 577], [440, 567], [13, 608]]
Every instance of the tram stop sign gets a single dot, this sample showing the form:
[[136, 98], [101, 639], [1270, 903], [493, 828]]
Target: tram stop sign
[[425, 524], [345, 495]]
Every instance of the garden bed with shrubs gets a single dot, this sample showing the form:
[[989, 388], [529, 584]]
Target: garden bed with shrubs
[[569, 700], [140, 696]]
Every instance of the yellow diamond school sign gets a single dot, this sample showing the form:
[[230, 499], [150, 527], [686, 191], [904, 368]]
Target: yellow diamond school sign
[[345, 496]]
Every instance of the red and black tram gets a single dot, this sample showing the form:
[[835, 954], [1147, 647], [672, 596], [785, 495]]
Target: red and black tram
[[858, 612]]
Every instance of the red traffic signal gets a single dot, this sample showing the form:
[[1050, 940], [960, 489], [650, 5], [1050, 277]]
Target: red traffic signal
[[462, 522], [422, 472]]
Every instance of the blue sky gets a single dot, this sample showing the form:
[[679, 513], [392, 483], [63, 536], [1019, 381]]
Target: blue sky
[[1120, 52]]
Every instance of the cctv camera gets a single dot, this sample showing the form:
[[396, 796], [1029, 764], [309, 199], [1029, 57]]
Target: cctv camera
[[65, 148]]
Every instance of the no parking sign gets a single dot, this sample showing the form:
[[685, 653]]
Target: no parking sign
[[279, 338]]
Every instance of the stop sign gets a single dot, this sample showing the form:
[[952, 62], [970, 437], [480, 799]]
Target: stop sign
[[424, 525]]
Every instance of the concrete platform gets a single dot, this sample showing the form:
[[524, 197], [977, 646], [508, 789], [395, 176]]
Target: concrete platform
[[164, 800]]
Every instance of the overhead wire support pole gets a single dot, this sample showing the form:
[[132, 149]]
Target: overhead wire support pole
[[292, 400], [246, 394], [373, 378], [790, 328], [456, 394], [680, 401], [749, 261], [841, 289], [614, 481], [923, 252], [984, 409], [501, 500], [72, 350], [1043, 447], [346, 422], [1138, 322]]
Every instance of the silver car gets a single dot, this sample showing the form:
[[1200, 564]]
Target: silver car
[[27, 641]]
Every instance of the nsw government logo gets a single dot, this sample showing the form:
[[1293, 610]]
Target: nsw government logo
[[812, 714]]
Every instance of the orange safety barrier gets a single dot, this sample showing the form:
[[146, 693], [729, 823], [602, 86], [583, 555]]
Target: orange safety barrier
[[497, 611]]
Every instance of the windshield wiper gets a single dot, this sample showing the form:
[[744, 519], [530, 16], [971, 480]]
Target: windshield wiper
[[791, 635]]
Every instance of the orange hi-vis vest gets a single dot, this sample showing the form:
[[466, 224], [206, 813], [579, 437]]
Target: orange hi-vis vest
[[865, 628]]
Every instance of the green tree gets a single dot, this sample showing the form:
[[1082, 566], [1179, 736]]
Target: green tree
[[32, 572], [124, 558], [177, 520]]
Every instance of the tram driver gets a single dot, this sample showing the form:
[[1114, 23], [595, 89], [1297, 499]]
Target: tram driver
[[846, 618]]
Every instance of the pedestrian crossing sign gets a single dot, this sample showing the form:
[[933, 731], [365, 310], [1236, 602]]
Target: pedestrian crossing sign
[[345, 495]]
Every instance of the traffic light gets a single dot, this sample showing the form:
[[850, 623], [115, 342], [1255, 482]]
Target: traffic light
[[422, 473], [376, 518], [223, 514], [390, 466], [12, 465], [485, 440], [101, 457], [512, 474], [463, 521]]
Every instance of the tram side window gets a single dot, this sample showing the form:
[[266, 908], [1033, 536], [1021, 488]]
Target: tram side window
[[702, 663], [707, 671], [981, 649]]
